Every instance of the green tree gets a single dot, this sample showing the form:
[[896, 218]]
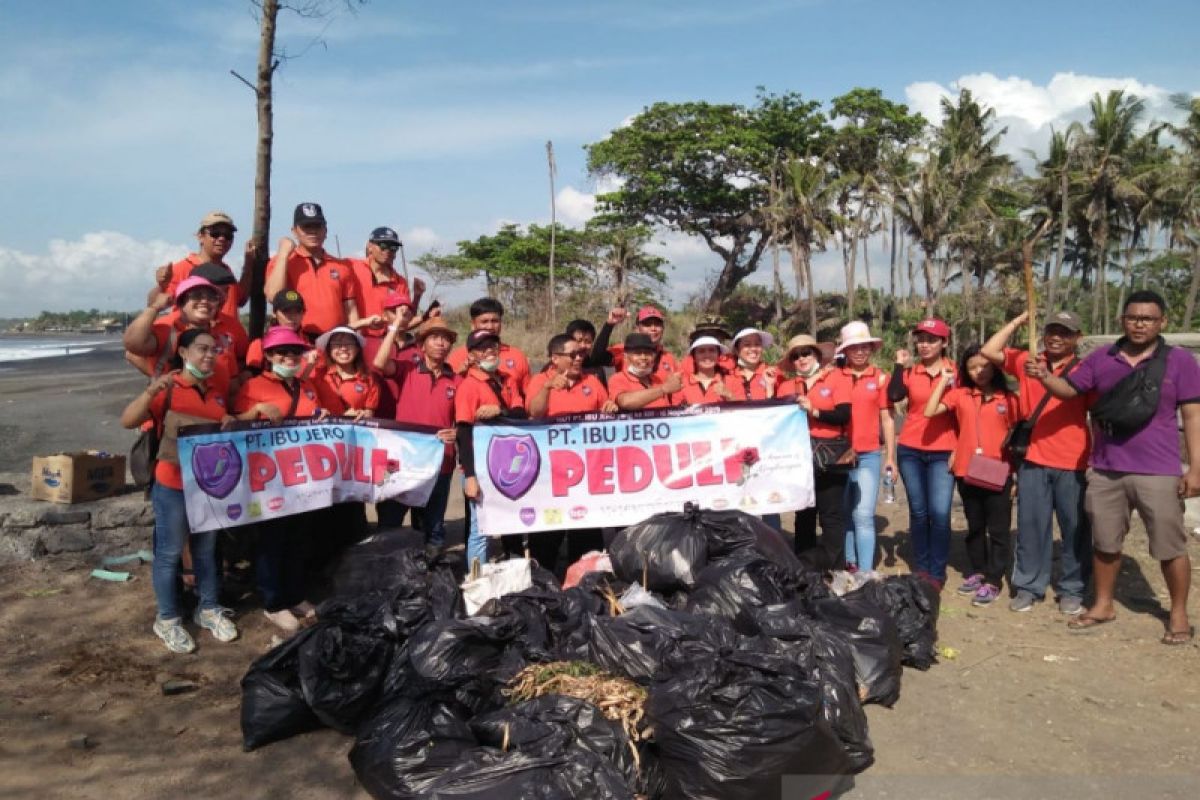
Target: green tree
[[1184, 181]]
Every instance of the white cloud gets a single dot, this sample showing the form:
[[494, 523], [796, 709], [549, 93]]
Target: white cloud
[[105, 269], [574, 207], [421, 238], [1029, 110]]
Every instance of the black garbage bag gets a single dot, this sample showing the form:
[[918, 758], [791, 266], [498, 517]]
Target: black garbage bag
[[273, 704], [736, 533], [872, 634], [665, 553], [913, 605], [552, 724], [381, 562], [732, 727], [341, 671], [487, 773], [648, 643], [734, 587], [824, 654], [409, 744]]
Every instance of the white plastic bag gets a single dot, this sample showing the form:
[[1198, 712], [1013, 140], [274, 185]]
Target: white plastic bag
[[636, 596], [497, 580]]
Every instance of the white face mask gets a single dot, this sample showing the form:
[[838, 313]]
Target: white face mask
[[490, 364], [196, 372], [639, 372], [284, 371]]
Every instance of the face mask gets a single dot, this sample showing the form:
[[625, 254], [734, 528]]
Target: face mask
[[489, 365], [195, 371], [638, 372], [744, 364], [811, 371], [284, 371]]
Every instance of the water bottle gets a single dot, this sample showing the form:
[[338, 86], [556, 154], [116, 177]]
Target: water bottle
[[889, 486]]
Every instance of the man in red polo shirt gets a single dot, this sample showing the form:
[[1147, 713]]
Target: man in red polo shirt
[[215, 236], [427, 391], [564, 388], [639, 386], [650, 324], [378, 281], [327, 284], [488, 315]]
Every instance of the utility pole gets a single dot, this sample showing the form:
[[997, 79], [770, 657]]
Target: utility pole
[[553, 168]]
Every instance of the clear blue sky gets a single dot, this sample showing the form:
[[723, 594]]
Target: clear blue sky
[[123, 124]]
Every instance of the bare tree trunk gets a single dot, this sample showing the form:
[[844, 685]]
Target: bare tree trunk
[[778, 281], [927, 268], [553, 225], [261, 235], [867, 275], [848, 269], [1193, 289], [1126, 275], [1061, 255], [892, 260]]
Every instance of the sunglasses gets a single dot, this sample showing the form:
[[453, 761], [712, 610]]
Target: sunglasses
[[221, 233], [805, 353], [203, 297], [295, 352], [577, 354], [391, 247]]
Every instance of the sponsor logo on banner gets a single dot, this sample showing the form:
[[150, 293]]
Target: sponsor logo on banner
[[513, 463], [234, 511], [275, 503], [217, 468], [528, 515], [579, 512]]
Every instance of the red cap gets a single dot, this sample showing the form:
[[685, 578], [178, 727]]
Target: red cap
[[649, 312], [397, 299], [934, 326]]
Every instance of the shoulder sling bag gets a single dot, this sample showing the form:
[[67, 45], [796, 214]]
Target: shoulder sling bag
[[1016, 443]]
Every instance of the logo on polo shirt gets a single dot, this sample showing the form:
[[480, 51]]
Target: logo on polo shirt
[[221, 401], [449, 392], [872, 386], [586, 390], [358, 387], [310, 394], [1001, 408], [509, 362], [334, 274], [825, 392]]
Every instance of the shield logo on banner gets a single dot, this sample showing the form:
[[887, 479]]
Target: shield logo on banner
[[513, 464], [217, 467]]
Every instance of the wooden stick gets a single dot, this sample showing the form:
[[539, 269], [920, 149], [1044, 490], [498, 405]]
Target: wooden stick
[[1030, 295]]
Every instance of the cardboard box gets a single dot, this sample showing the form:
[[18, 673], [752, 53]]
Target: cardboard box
[[77, 477]]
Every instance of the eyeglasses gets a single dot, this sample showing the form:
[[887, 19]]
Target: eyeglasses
[[343, 345], [576, 354], [204, 297], [289, 352], [390, 247], [1137, 320], [221, 233]]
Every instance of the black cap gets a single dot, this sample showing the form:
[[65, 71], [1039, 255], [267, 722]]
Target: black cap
[[308, 214], [479, 338], [385, 235], [287, 300], [216, 274], [638, 341]]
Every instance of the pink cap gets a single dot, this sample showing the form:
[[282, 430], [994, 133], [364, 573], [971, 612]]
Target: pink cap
[[934, 326], [283, 337], [187, 284], [397, 299], [649, 312]]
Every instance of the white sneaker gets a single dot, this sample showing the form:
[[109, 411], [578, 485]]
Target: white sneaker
[[218, 621], [283, 619], [304, 609], [174, 636]]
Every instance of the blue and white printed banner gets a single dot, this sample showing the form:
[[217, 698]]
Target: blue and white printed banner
[[256, 471], [595, 470]]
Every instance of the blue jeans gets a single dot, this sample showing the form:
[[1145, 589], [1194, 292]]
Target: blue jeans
[[862, 490], [477, 543], [433, 517], [171, 531], [929, 486], [1042, 494]]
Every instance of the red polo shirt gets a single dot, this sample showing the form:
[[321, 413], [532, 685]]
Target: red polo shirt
[[512, 361], [479, 389], [186, 398], [694, 393], [868, 397], [325, 285], [664, 362], [584, 396], [230, 348], [828, 391], [356, 393], [373, 292], [622, 382], [234, 298], [428, 399], [1060, 437], [269, 388], [992, 418], [920, 432], [757, 387]]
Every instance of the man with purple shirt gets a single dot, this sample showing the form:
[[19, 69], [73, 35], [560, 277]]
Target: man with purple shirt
[[1142, 470]]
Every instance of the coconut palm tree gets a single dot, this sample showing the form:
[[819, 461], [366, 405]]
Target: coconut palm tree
[[802, 216], [1184, 182]]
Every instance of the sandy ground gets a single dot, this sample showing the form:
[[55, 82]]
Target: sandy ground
[[1023, 710]]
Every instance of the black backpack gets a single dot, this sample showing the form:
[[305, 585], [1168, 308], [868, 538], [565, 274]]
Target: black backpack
[[1129, 406]]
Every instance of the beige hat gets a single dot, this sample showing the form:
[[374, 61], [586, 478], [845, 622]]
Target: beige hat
[[436, 325], [217, 218], [857, 332], [824, 350]]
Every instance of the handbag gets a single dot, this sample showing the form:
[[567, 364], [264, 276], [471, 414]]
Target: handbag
[[983, 471], [1016, 443], [833, 455], [144, 453]]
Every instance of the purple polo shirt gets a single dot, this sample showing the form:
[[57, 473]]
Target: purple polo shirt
[[1154, 450], [426, 399]]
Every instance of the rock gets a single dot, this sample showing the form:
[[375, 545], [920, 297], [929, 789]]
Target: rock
[[66, 538], [22, 518], [122, 514], [21, 545], [176, 686], [113, 541], [82, 741], [57, 517]]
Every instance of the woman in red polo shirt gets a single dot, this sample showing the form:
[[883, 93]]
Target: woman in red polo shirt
[[752, 379], [184, 390], [824, 394], [283, 543], [871, 424], [705, 382], [346, 373], [923, 449], [985, 411]]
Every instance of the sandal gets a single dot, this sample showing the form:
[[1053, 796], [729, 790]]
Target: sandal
[[1087, 623], [1176, 638]]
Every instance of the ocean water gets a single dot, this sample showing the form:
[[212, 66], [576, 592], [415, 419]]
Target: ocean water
[[26, 348]]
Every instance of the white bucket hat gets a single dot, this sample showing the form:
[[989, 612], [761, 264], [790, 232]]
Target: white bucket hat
[[708, 341], [323, 339], [767, 339], [856, 332]]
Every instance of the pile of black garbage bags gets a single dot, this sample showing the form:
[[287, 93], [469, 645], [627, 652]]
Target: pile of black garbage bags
[[756, 671]]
